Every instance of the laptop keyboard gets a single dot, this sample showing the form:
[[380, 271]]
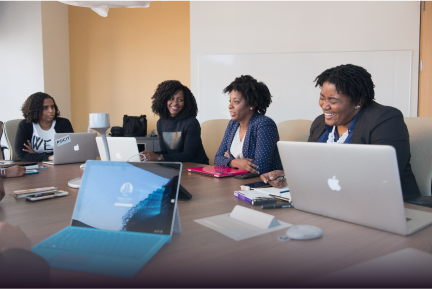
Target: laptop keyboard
[[111, 244]]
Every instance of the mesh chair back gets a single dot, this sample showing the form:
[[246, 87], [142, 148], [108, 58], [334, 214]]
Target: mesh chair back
[[294, 130], [1, 147], [10, 130], [420, 131], [212, 132]]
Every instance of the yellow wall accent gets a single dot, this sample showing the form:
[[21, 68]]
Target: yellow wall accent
[[117, 62]]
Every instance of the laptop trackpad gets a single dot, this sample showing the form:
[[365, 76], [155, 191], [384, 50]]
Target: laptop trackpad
[[73, 259]]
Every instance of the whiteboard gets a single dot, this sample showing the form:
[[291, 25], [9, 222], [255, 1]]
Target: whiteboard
[[290, 76]]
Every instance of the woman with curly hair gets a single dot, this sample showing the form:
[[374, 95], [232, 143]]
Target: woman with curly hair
[[35, 135], [351, 116], [179, 130], [250, 139]]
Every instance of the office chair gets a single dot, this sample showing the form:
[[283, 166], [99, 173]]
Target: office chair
[[212, 133], [10, 130], [294, 130], [2, 157], [420, 132]]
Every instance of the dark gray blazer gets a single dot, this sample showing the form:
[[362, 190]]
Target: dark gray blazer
[[380, 125]]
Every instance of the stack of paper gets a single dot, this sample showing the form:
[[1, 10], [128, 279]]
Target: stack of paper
[[282, 192]]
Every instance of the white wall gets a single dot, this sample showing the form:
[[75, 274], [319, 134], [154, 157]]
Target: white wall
[[34, 55], [282, 27], [21, 62]]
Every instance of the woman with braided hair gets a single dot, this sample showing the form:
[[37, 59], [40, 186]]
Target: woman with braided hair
[[350, 115], [250, 139], [178, 129]]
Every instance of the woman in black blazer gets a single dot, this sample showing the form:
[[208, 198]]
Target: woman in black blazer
[[350, 115]]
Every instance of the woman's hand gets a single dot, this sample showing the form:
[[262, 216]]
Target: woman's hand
[[227, 155], [28, 148], [275, 178], [15, 171], [244, 164], [149, 156]]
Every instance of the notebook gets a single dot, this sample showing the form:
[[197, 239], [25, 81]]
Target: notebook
[[121, 149], [354, 183], [73, 148], [124, 213], [218, 172]]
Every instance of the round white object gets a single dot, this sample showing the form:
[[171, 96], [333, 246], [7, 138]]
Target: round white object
[[304, 232], [75, 183]]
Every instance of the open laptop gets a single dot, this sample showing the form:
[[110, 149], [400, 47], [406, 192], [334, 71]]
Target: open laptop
[[124, 213], [73, 148], [121, 149], [354, 183]]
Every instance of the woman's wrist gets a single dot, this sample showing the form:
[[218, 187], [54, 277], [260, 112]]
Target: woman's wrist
[[232, 163]]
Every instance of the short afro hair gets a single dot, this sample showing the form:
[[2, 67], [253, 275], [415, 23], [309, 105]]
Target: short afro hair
[[255, 93], [32, 108], [352, 80], [166, 90]]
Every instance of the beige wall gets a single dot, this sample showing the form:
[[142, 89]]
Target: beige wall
[[55, 41], [117, 62]]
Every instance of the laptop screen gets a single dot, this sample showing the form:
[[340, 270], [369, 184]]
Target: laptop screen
[[119, 196]]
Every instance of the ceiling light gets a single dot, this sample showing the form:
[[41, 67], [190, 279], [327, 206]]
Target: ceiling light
[[102, 7]]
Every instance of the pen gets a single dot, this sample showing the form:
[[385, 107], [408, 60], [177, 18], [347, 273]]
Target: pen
[[280, 198], [276, 206]]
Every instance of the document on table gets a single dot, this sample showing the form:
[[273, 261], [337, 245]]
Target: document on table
[[283, 192], [240, 230]]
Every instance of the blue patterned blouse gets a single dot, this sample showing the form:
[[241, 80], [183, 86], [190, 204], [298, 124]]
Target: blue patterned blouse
[[259, 144]]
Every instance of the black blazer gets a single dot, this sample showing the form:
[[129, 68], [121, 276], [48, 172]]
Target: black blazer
[[380, 125]]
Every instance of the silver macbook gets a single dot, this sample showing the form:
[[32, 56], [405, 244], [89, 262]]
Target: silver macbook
[[73, 148], [121, 149], [354, 183]]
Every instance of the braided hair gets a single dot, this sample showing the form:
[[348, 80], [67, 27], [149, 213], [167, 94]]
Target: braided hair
[[351, 80], [32, 108], [168, 89], [255, 93]]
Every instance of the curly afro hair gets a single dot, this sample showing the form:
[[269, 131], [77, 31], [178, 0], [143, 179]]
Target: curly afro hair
[[351, 80], [33, 107], [168, 89], [255, 93]]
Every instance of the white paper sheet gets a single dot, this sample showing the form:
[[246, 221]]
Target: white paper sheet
[[235, 229]]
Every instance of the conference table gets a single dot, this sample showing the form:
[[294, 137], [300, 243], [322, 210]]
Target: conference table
[[201, 257]]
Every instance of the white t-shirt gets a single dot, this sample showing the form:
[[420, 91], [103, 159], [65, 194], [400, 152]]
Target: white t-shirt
[[43, 140], [237, 145]]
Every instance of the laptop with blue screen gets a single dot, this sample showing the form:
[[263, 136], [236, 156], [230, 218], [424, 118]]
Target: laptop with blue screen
[[123, 215]]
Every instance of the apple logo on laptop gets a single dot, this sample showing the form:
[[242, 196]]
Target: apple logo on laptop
[[76, 148], [334, 184], [118, 155]]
